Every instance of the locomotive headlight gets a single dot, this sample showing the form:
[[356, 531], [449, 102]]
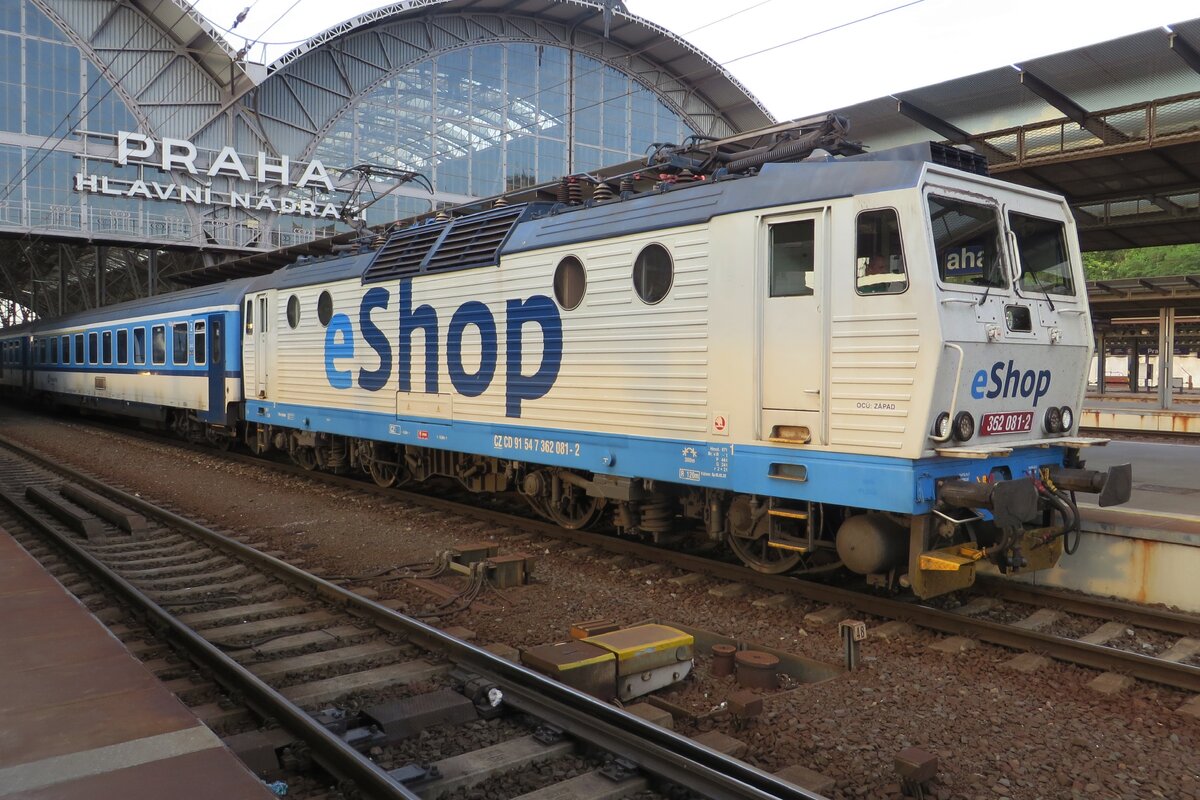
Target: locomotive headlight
[[964, 426], [1068, 418], [1053, 421], [941, 427]]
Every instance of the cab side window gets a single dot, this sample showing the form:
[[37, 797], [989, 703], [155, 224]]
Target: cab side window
[[879, 263]]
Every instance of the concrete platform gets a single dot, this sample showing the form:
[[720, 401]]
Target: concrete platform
[[1140, 416], [82, 718], [1148, 550]]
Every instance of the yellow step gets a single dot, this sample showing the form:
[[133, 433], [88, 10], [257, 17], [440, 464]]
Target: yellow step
[[950, 559], [787, 513]]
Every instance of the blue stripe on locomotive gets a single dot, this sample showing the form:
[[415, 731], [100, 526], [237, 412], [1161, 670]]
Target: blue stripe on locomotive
[[892, 484]]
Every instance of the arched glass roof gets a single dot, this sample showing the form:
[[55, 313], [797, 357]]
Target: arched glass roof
[[481, 120]]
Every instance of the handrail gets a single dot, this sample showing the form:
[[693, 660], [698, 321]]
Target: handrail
[[954, 397]]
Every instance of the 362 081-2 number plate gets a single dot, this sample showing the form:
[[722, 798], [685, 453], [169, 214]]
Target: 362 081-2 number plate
[[1007, 422]]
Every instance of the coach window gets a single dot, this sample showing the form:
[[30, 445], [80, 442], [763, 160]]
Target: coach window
[[791, 251], [54, 350], [570, 283], [293, 312], [93, 348], [218, 345], [179, 343], [879, 262], [139, 345], [158, 344], [966, 239], [249, 317], [66, 349], [123, 346], [200, 340], [107, 338], [653, 273], [79, 348]]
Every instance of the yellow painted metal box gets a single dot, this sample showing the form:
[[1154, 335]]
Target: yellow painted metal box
[[645, 647]]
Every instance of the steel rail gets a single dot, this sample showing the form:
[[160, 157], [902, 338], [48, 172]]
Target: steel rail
[[1173, 622], [657, 750], [1167, 673], [329, 750]]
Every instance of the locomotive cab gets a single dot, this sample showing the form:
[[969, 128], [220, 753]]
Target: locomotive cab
[[1016, 343]]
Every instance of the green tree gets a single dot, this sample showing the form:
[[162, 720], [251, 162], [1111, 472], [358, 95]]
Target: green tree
[[1143, 262]]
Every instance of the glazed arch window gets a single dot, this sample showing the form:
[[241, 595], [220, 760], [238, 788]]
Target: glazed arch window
[[293, 312], [158, 346], [570, 283], [653, 273], [879, 263]]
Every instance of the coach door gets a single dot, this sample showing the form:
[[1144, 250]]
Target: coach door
[[793, 340], [262, 355], [216, 366]]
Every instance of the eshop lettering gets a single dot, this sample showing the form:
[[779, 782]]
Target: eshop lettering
[[340, 345], [1005, 380]]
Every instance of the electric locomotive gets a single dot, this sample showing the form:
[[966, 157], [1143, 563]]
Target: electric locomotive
[[816, 356]]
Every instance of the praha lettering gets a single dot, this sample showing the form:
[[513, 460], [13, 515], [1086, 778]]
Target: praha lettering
[[172, 155]]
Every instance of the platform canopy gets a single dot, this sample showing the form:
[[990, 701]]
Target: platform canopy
[[1114, 126]]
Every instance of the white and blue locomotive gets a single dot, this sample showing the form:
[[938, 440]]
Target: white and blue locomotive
[[872, 361]]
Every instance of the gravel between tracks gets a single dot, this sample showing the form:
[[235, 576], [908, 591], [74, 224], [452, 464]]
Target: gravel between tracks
[[998, 733]]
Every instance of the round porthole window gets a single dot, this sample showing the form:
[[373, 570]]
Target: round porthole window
[[570, 283], [293, 311], [324, 308], [653, 273]]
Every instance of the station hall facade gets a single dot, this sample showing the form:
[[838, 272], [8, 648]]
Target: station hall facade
[[138, 150]]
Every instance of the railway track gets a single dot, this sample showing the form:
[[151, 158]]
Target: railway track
[[340, 673], [1028, 618]]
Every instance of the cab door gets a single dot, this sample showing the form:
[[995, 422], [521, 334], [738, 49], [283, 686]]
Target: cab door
[[261, 334], [795, 252]]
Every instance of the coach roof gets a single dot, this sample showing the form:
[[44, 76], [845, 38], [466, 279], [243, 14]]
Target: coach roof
[[181, 303]]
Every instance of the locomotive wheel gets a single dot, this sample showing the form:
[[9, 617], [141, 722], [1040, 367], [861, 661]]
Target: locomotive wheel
[[383, 473], [383, 464], [749, 541], [576, 512], [305, 458]]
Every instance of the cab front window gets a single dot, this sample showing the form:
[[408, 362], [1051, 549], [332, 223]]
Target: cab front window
[[967, 243], [1042, 250]]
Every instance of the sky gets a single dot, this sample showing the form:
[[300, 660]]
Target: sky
[[818, 56]]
